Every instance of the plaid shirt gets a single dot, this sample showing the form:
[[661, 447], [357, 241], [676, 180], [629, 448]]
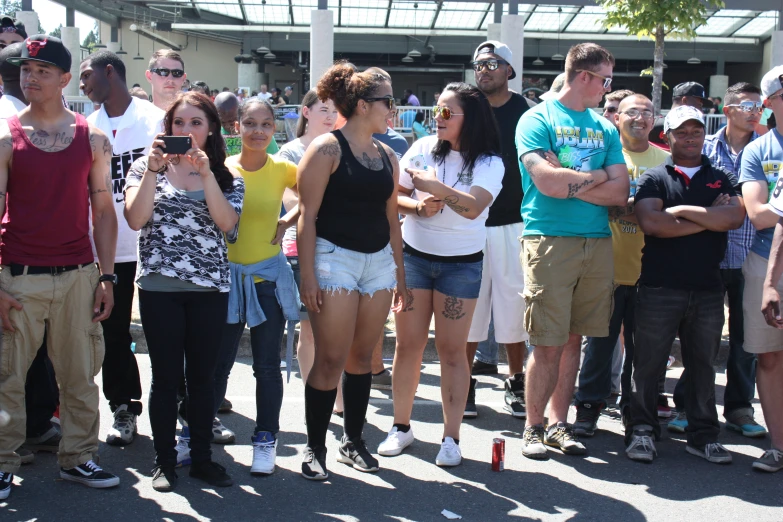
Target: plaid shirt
[[719, 152]]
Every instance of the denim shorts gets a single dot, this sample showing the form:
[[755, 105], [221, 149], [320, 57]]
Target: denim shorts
[[460, 280], [338, 268]]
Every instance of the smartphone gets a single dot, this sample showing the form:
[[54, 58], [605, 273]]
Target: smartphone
[[418, 162], [177, 144]]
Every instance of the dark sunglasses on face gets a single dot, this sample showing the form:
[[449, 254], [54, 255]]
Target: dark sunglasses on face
[[491, 65], [162, 71], [748, 106], [388, 99], [444, 112], [610, 110]]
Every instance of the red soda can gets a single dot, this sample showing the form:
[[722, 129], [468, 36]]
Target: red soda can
[[498, 454]]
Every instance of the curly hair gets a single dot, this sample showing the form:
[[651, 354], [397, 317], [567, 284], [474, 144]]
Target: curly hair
[[215, 147], [344, 85]]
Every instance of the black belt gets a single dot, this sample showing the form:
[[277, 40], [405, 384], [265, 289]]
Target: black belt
[[17, 270]]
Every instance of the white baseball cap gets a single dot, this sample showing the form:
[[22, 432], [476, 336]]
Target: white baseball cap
[[770, 83], [680, 115], [499, 49]]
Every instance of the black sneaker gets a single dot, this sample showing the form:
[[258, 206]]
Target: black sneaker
[[90, 474], [354, 453], [470, 406], [164, 478], [49, 441], [587, 414], [225, 406], [314, 465], [713, 452], [6, 479], [515, 396], [212, 473], [482, 368], [561, 436]]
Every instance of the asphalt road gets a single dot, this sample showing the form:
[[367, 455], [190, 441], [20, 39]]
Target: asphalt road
[[602, 486]]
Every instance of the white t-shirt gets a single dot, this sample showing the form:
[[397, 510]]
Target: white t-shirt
[[690, 171], [448, 233], [264, 96], [293, 151], [131, 136], [10, 105]]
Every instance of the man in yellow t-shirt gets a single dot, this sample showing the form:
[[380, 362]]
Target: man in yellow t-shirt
[[634, 119]]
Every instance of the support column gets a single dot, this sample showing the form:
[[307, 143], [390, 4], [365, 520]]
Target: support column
[[493, 29], [512, 33], [70, 38], [718, 85], [248, 76], [776, 55], [29, 19], [113, 44], [321, 43], [493, 32]]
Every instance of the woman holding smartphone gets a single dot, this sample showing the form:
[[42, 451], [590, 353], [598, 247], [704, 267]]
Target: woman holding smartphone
[[448, 184], [348, 181], [185, 207]]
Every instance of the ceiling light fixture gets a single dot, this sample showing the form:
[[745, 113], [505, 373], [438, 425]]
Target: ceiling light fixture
[[538, 61], [138, 43], [557, 56], [694, 60]]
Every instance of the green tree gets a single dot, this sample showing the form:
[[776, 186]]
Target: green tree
[[658, 19], [57, 33], [90, 40]]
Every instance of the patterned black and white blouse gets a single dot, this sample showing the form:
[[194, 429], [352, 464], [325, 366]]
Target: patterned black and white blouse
[[181, 240]]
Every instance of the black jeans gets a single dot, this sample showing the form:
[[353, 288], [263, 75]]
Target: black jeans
[[183, 330], [698, 317], [42, 395], [741, 365], [121, 382], [595, 377], [265, 341]]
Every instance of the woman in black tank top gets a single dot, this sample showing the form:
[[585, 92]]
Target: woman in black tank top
[[350, 247]]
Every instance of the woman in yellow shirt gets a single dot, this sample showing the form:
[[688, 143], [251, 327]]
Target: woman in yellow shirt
[[263, 292]]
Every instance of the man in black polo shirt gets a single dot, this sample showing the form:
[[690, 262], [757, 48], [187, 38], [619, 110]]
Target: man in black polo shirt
[[684, 207]]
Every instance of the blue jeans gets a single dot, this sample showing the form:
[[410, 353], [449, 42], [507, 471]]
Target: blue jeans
[[698, 317], [741, 366], [595, 378], [487, 351], [266, 340]]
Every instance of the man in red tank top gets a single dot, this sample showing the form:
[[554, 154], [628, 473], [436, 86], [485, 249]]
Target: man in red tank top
[[54, 169]]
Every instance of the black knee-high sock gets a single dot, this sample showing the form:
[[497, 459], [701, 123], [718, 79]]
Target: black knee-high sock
[[318, 411], [356, 395]]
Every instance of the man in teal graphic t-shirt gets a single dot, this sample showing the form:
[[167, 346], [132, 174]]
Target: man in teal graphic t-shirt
[[572, 169]]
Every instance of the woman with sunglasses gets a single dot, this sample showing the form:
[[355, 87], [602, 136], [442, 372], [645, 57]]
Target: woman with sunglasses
[[186, 206], [449, 182], [348, 181], [317, 118]]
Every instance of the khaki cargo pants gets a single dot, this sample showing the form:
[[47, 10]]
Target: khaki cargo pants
[[62, 304]]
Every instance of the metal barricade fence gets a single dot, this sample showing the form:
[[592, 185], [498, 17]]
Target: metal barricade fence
[[80, 104]]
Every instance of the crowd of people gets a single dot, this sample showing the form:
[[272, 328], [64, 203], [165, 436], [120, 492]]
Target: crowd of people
[[552, 228]]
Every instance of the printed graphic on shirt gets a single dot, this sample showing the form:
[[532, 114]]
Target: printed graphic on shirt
[[772, 172], [233, 145], [120, 166], [576, 148]]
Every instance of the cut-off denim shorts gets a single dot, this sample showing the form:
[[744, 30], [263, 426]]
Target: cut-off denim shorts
[[460, 280], [338, 268]]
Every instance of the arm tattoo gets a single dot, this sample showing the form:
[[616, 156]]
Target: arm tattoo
[[329, 149], [98, 191], [574, 188], [106, 147], [193, 173], [453, 308], [2, 194], [370, 163], [618, 212], [7, 142], [531, 159], [92, 142], [452, 202]]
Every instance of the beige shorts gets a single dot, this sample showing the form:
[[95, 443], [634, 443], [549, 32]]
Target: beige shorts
[[568, 287], [759, 336]]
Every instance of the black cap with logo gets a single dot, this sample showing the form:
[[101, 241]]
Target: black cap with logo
[[45, 49], [12, 25], [695, 90]]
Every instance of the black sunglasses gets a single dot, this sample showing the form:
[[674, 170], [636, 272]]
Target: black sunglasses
[[388, 99], [162, 71], [491, 64]]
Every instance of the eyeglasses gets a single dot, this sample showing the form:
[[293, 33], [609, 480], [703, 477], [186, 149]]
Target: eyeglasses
[[162, 71], [748, 106], [444, 112], [388, 99], [635, 113], [491, 65], [607, 79]]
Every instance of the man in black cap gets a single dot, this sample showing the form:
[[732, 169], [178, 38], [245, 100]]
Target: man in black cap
[[48, 277], [686, 93], [13, 99], [11, 31]]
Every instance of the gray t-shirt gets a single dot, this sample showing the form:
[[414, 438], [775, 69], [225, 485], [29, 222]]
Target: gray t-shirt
[[293, 151]]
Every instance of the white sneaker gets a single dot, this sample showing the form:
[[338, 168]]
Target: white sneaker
[[183, 448], [449, 454], [264, 453], [395, 442], [221, 434], [124, 428]]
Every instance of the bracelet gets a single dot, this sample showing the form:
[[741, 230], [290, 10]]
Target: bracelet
[[162, 169], [417, 210]]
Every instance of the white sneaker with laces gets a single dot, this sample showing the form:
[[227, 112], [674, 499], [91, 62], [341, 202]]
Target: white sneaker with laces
[[221, 434], [123, 430], [395, 442], [183, 448], [264, 453], [449, 454]]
